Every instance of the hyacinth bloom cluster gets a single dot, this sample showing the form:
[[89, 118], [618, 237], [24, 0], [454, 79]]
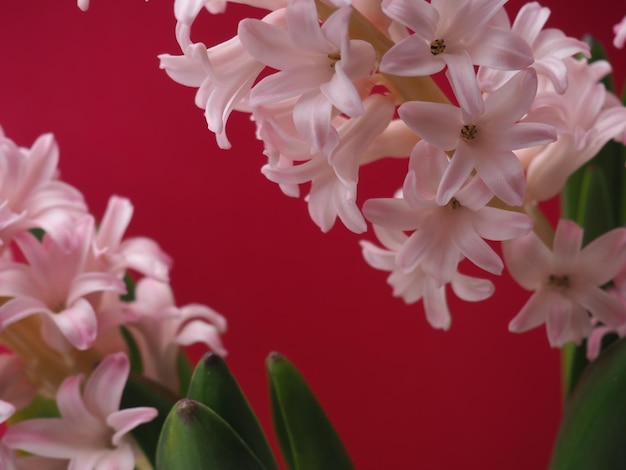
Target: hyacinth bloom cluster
[[66, 315], [333, 85]]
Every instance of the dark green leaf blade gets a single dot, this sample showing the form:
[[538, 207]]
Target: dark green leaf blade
[[194, 437], [306, 436], [593, 426], [213, 385], [140, 391]]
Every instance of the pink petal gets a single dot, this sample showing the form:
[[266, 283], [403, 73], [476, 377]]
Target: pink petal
[[534, 312], [528, 260], [471, 289], [438, 124], [459, 169], [478, 251], [88, 283], [436, 306], [199, 331], [376, 257], [502, 49], [462, 78], [604, 257], [103, 390], [566, 322], [503, 174], [568, 240], [124, 421], [605, 307], [78, 324]]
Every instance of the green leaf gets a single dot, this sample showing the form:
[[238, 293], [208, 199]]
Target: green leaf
[[306, 436], [140, 391], [194, 437], [213, 385], [593, 427], [183, 367], [134, 355]]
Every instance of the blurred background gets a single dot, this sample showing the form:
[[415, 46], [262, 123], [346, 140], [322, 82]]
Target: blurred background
[[402, 395]]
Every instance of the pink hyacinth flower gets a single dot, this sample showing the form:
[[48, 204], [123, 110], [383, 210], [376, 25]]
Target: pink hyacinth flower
[[457, 35], [444, 233], [317, 64], [567, 282], [484, 142], [92, 432], [416, 285]]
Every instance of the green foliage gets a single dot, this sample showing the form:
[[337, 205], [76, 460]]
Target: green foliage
[[195, 437], [593, 427], [140, 391], [306, 436], [213, 385], [215, 428]]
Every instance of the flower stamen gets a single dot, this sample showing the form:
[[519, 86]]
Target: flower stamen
[[469, 132], [454, 203], [560, 282], [334, 58], [438, 46]]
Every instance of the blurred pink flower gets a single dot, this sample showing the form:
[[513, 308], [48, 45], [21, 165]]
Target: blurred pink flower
[[92, 432], [31, 196], [620, 33], [56, 285], [160, 327]]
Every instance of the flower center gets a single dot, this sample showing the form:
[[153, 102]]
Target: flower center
[[469, 132], [334, 58], [454, 203], [560, 282], [438, 46]]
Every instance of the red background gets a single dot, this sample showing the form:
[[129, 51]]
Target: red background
[[401, 394]]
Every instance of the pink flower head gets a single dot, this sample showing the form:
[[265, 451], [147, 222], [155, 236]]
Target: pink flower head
[[56, 285], [30, 194], [318, 65], [456, 34], [567, 282], [92, 432], [483, 142], [444, 233], [415, 285]]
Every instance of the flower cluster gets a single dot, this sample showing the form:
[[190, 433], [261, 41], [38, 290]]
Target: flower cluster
[[333, 85], [66, 314]]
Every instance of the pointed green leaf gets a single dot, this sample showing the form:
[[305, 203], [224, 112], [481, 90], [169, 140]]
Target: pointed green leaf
[[592, 431], [140, 391], [213, 385], [306, 436], [194, 437]]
